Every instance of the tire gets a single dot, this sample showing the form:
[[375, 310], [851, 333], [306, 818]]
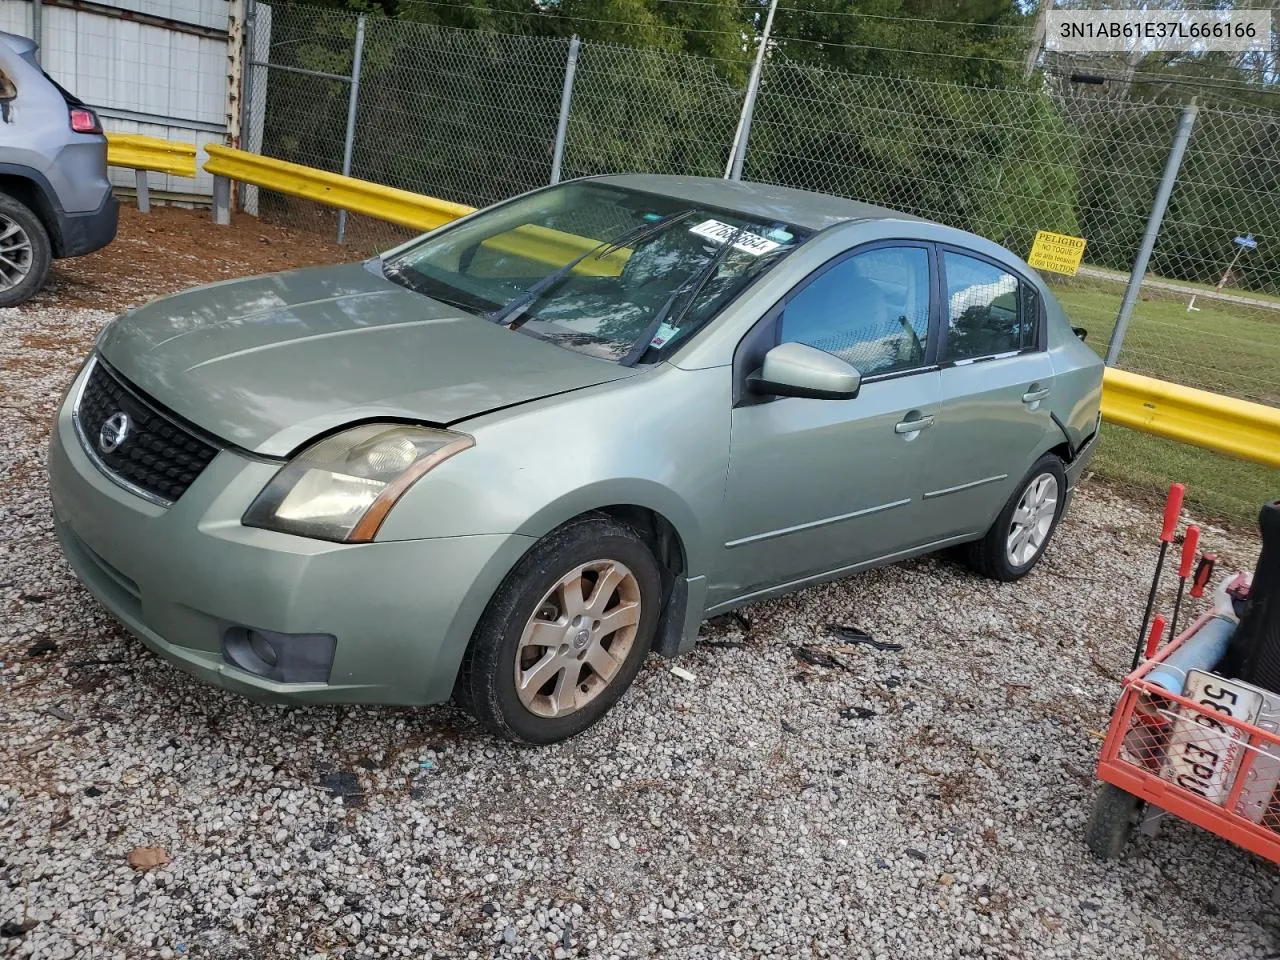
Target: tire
[[993, 556], [533, 626], [25, 252], [1115, 813]]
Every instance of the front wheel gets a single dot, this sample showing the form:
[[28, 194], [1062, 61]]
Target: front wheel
[[1019, 536], [564, 635], [1115, 813]]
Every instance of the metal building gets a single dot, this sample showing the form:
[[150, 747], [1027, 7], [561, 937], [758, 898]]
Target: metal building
[[159, 67]]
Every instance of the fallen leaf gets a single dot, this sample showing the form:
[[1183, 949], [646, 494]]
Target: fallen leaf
[[147, 858]]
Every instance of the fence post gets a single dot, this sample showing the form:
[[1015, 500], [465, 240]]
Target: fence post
[[351, 119], [738, 152], [37, 25], [1131, 290], [246, 100], [566, 99]]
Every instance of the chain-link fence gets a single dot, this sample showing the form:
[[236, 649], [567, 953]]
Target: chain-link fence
[[475, 116]]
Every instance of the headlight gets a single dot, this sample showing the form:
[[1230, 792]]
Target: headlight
[[343, 487]]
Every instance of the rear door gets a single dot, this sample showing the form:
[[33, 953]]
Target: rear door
[[996, 380]]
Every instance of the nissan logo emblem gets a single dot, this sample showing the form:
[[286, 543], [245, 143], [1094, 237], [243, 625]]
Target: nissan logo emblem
[[115, 430]]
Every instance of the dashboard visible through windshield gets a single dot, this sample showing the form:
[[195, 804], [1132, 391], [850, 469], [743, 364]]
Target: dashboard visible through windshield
[[615, 273]]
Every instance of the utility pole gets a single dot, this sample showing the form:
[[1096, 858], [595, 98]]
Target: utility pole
[[738, 153]]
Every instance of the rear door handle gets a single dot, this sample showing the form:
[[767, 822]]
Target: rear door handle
[[1031, 396], [913, 426]]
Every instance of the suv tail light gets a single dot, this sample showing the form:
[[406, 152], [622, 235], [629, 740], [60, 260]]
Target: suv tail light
[[84, 121]]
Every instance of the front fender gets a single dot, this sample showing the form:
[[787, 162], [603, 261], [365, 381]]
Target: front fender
[[627, 491], [659, 440]]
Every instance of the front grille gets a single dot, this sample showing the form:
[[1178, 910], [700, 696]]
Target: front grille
[[158, 456]]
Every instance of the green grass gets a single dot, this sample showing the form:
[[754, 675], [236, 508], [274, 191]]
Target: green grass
[[1219, 487], [1223, 347]]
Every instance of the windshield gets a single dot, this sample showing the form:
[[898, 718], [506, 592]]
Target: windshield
[[649, 269]]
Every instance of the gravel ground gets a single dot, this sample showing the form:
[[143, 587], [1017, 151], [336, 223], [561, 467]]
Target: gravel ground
[[922, 803]]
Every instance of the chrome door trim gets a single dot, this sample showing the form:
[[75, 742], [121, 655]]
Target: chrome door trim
[[965, 486], [814, 524]]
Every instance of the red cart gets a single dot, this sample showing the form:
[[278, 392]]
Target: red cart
[[1191, 756]]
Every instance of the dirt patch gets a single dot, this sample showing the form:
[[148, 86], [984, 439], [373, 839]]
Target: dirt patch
[[171, 249]]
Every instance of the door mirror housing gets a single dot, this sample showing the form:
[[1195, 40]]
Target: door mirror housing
[[798, 370]]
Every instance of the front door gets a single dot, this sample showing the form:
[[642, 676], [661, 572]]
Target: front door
[[818, 485]]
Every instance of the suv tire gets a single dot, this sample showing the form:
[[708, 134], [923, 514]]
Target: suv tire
[[25, 252]]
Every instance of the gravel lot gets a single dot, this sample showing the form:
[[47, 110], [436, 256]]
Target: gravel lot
[[924, 803]]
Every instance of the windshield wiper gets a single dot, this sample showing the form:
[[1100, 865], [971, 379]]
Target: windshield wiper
[[641, 345], [512, 313], [695, 282]]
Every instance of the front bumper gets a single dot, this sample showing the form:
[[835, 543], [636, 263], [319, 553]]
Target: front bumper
[[179, 577]]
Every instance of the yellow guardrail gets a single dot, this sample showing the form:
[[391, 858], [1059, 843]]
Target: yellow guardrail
[[413, 210], [407, 209], [151, 153], [1242, 429]]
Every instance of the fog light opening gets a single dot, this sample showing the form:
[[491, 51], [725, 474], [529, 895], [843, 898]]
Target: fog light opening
[[262, 648], [282, 657]]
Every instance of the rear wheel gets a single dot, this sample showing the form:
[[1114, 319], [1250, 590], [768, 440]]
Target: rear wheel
[[1019, 536], [25, 252], [565, 634]]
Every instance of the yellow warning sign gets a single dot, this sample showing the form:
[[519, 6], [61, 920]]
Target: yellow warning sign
[[1056, 252]]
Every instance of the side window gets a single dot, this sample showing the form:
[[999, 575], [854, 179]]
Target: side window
[[870, 310], [989, 311]]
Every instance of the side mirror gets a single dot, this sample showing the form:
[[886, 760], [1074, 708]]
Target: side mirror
[[1080, 332], [798, 370]]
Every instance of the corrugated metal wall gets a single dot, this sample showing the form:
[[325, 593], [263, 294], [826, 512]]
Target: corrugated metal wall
[[167, 81]]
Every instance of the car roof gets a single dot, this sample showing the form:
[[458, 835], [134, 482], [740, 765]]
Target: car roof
[[804, 208], [18, 44]]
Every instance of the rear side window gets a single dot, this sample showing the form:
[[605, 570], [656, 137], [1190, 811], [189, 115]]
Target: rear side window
[[989, 310], [870, 310]]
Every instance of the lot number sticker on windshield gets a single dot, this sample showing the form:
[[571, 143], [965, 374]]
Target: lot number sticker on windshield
[[751, 243]]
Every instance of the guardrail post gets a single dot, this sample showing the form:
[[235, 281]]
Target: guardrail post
[[144, 193], [221, 201], [566, 99], [1131, 290], [351, 119]]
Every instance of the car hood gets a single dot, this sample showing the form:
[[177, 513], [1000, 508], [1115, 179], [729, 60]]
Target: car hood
[[270, 362]]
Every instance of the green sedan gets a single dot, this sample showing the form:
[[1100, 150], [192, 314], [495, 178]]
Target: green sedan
[[505, 461]]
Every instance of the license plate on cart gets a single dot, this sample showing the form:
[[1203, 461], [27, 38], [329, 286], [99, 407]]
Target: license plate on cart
[[1203, 753]]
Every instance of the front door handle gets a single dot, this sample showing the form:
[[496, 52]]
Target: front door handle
[[1035, 394], [913, 426]]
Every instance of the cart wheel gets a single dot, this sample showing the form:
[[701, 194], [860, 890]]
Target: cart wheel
[[1111, 824]]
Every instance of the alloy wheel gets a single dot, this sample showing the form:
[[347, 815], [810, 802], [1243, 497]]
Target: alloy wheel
[[1033, 519], [15, 253], [578, 638]]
